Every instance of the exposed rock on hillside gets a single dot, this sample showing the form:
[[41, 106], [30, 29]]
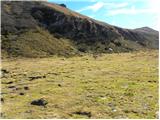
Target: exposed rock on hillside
[[34, 29]]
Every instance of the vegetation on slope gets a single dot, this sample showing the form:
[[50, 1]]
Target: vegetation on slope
[[36, 43], [69, 32]]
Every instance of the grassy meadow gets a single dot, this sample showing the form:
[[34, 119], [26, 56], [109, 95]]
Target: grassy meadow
[[123, 85]]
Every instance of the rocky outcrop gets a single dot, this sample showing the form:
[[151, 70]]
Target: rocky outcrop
[[86, 34], [63, 5]]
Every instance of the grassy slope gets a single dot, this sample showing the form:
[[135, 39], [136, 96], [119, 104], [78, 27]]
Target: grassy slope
[[88, 35], [112, 86], [36, 43]]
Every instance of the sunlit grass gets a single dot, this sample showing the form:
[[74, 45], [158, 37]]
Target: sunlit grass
[[121, 85]]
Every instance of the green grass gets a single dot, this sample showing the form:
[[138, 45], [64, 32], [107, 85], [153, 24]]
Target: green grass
[[121, 85], [36, 43]]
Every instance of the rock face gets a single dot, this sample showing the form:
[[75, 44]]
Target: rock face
[[83, 33]]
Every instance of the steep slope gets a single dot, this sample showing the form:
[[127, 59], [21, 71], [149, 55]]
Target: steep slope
[[64, 31], [144, 36], [36, 43], [22, 36]]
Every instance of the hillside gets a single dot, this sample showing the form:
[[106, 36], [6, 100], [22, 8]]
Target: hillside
[[39, 29]]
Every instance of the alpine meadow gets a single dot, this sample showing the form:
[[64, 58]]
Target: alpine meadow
[[57, 63]]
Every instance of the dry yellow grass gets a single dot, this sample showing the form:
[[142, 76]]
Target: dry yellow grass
[[111, 86]]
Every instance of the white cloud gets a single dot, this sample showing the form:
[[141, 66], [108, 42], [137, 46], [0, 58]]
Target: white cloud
[[115, 8], [152, 7], [115, 5], [120, 5], [98, 5], [95, 7], [132, 10]]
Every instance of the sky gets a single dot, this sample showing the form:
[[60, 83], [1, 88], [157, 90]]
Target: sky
[[129, 14]]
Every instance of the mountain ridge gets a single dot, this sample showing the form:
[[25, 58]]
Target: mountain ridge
[[72, 30]]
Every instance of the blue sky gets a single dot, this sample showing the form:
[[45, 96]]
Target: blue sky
[[123, 13]]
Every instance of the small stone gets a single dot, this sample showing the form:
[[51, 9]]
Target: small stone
[[88, 114], [114, 110], [11, 86], [17, 88], [59, 85], [21, 93], [4, 71], [39, 102], [2, 100], [36, 77], [9, 82], [26, 88], [110, 105]]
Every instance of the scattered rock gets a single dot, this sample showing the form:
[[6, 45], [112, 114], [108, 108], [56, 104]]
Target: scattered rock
[[110, 49], [11, 86], [9, 82], [152, 81], [39, 102], [4, 71], [111, 105], [114, 110], [88, 114], [21, 93], [26, 88], [134, 111], [17, 88], [36, 77], [2, 100]]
